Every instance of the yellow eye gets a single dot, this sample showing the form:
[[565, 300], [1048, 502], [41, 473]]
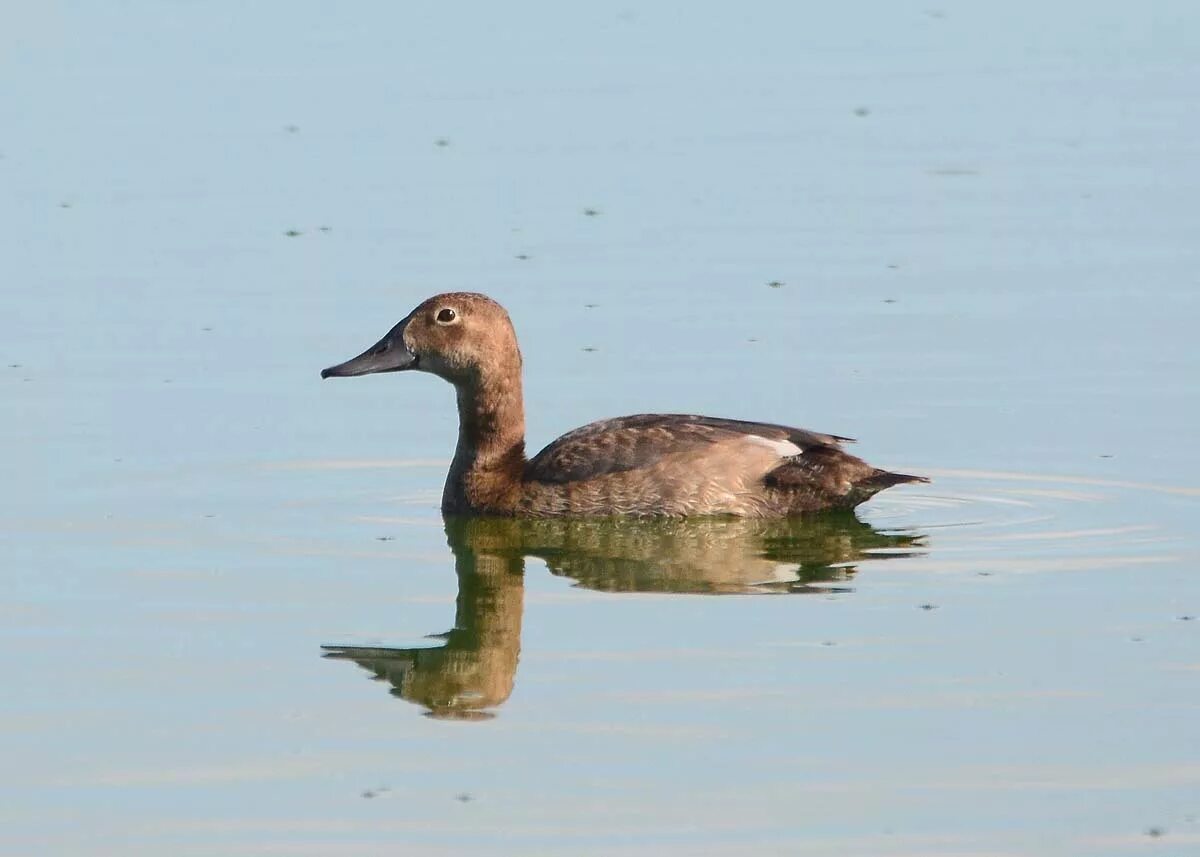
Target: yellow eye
[[446, 316]]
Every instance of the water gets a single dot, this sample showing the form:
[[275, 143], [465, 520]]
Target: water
[[980, 227]]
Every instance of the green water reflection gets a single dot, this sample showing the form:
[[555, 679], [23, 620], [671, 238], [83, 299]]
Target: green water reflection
[[475, 668]]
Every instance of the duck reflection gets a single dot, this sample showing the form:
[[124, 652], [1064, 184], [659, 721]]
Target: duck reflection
[[474, 669]]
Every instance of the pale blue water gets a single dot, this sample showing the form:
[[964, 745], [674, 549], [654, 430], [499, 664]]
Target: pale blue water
[[983, 221]]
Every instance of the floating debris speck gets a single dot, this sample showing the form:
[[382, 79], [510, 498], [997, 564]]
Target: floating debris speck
[[953, 171]]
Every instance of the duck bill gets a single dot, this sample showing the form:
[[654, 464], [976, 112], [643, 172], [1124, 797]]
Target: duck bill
[[389, 354]]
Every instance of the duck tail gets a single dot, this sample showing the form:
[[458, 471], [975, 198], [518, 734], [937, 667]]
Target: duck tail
[[881, 479], [866, 488]]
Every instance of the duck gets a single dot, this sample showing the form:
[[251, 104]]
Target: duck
[[640, 466]]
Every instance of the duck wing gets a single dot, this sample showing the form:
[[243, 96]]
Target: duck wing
[[629, 443]]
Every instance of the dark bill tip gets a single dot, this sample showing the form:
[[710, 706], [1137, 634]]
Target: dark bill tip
[[347, 370]]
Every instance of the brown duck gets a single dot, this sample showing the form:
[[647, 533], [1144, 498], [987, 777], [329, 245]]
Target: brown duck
[[646, 465]]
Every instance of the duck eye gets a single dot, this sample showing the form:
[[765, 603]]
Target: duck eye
[[446, 316]]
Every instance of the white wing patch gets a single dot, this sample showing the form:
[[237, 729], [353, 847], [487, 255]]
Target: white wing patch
[[782, 448]]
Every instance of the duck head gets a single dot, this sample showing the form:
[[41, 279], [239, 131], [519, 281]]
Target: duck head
[[456, 336]]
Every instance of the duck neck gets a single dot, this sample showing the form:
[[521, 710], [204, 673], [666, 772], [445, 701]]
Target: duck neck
[[490, 457]]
